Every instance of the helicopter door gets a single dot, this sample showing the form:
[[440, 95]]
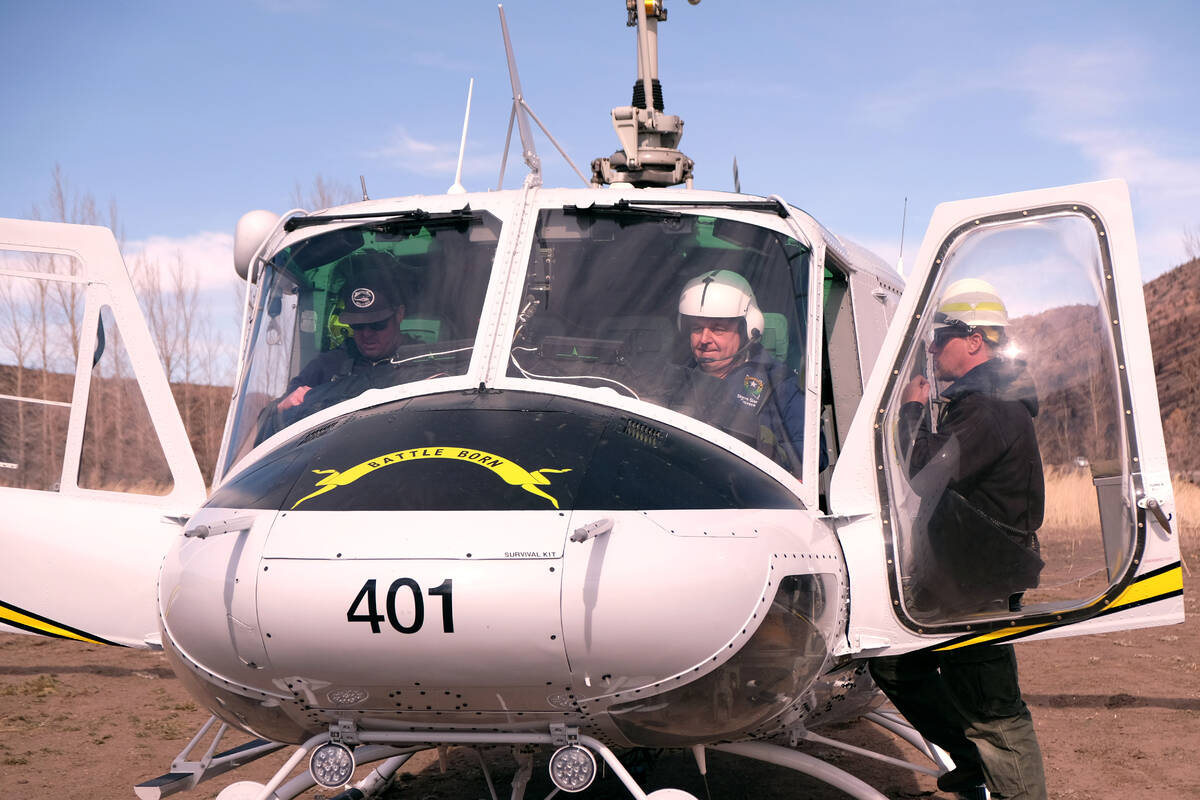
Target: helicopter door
[[93, 455], [1006, 474]]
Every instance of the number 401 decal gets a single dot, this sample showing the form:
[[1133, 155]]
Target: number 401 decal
[[367, 594]]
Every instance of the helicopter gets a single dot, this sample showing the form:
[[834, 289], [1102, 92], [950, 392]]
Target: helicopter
[[521, 526]]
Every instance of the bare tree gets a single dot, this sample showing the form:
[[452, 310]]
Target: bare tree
[[1191, 242], [194, 356], [16, 345], [1187, 439], [324, 193]]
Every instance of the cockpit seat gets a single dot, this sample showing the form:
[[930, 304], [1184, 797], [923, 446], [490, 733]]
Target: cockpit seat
[[426, 330], [775, 335]]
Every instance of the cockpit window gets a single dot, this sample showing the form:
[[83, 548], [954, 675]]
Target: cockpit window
[[701, 314], [376, 305]]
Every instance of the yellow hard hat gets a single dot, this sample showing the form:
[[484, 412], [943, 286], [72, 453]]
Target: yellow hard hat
[[972, 303]]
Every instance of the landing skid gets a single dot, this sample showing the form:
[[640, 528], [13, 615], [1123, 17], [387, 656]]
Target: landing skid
[[187, 773], [394, 748], [397, 747]]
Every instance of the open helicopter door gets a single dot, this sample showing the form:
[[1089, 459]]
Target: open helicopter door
[[1056, 272], [96, 469]]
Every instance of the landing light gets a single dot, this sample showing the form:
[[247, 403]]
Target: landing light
[[572, 768], [331, 765]]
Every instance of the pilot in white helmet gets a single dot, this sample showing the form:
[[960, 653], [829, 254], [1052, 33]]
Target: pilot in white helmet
[[733, 383], [718, 312]]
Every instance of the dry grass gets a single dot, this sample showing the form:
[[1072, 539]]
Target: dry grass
[[1070, 501], [1187, 522], [1072, 541]]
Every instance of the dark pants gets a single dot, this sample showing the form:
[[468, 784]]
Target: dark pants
[[968, 702]]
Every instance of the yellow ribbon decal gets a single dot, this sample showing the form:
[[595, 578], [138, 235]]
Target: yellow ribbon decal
[[510, 473], [19, 619], [1145, 589]]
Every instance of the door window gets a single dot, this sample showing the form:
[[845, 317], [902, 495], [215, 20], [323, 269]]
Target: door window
[[1005, 459], [40, 320], [121, 450]]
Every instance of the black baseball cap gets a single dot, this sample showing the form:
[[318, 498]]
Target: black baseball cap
[[370, 297]]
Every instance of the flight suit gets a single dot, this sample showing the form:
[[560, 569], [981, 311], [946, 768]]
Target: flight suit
[[759, 402]]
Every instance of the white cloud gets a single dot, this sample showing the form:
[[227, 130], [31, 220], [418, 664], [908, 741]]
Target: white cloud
[[912, 100], [1103, 101], [208, 255], [1096, 100], [889, 250], [428, 158]]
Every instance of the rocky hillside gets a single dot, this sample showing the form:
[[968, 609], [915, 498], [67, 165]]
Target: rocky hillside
[[1173, 309]]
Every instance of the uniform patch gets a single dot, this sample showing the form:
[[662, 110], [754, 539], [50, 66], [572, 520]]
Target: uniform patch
[[362, 297], [751, 393]]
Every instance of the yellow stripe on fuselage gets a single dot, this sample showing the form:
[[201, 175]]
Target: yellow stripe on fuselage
[[26, 622], [1159, 585], [1140, 591], [985, 638]]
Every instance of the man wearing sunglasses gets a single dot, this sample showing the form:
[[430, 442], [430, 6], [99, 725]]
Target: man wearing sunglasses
[[974, 544], [373, 309]]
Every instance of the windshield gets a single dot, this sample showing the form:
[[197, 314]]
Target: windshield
[[386, 303], [702, 315]]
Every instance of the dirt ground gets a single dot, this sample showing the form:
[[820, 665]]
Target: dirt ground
[[1118, 716]]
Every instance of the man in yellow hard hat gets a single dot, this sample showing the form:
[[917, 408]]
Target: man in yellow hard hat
[[979, 533]]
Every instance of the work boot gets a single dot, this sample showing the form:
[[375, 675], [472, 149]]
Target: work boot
[[960, 779]]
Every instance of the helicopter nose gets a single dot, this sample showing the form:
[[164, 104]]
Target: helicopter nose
[[483, 555]]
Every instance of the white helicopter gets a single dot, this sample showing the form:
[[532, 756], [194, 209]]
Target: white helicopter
[[518, 526]]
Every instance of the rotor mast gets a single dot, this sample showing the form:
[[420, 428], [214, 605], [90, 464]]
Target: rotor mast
[[649, 154]]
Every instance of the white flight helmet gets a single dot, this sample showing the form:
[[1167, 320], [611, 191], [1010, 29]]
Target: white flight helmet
[[969, 304], [721, 294]]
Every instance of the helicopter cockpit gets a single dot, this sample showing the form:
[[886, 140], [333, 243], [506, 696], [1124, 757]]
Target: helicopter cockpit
[[600, 308], [440, 266]]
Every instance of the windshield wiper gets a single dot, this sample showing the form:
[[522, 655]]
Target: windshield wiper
[[621, 208], [752, 205], [416, 216]]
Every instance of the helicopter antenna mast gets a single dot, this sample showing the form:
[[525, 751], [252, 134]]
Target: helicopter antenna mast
[[457, 187], [903, 220], [649, 154]]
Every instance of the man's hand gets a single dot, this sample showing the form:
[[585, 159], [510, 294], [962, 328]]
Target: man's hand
[[917, 390], [294, 399]]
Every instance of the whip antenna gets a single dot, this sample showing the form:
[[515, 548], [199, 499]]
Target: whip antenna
[[457, 187]]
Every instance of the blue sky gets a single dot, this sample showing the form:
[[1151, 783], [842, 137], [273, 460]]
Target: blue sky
[[186, 115]]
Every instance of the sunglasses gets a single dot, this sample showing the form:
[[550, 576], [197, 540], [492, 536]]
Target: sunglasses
[[944, 335], [371, 326]]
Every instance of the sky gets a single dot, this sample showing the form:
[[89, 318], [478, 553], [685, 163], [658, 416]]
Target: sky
[[183, 116]]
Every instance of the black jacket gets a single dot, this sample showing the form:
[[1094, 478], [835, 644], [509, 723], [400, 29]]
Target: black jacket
[[334, 376], [994, 461], [982, 489]]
